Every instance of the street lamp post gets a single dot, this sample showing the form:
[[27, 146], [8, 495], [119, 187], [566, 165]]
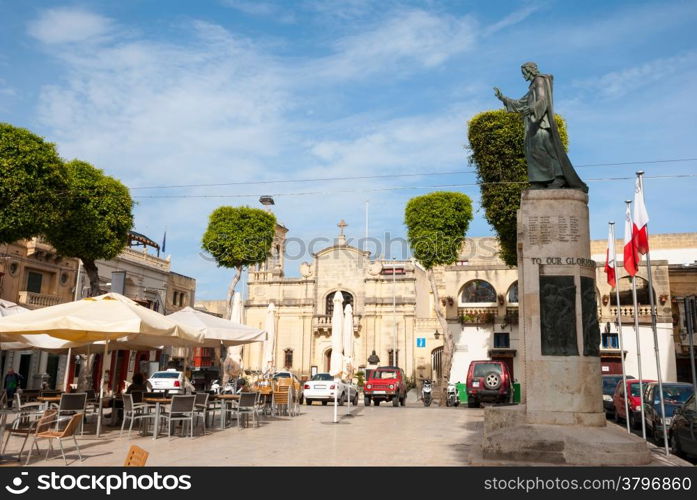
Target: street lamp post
[[394, 309]]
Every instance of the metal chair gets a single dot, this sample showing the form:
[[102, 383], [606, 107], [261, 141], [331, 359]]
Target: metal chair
[[201, 407], [72, 403], [248, 405], [67, 433], [182, 409], [27, 411], [133, 411], [136, 457]]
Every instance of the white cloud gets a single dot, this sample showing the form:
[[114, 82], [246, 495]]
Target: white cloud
[[628, 80], [404, 41], [67, 25]]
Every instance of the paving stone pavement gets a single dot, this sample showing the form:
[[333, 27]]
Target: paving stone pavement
[[383, 436]]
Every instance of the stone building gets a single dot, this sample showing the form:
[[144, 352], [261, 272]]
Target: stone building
[[479, 295], [36, 277]]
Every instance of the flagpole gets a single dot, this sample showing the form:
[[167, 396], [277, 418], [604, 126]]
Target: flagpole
[[639, 174], [638, 350], [619, 326]]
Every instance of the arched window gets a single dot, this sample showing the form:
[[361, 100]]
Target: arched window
[[477, 291], [348, 299], [512, 295], [625, 284]]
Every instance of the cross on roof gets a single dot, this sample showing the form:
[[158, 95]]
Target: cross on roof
[[341, 226]]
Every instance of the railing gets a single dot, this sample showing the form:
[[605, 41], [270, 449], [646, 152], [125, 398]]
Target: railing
[[144, 258], [628, 312], [37, 245], [323, 322], [477, 315], [39, 299]]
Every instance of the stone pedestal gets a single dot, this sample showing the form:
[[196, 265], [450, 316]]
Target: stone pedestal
[[561, 418], [558, 309]]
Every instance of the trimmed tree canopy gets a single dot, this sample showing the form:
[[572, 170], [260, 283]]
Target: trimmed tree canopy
[[239, 236], [496, 139], [32, 184], [437, 223], [97, 215]]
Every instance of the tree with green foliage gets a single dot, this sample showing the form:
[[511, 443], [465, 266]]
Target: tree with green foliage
[[238, 237], [96, 216], [436, 227], [32, 184], [497, 143]]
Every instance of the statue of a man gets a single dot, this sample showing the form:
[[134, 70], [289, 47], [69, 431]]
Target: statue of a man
[[548, 165]]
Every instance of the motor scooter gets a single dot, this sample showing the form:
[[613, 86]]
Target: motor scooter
[[216, 388], [426, 390], [452, 399]]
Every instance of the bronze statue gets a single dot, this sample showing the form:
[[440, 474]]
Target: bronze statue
[[548, 165]]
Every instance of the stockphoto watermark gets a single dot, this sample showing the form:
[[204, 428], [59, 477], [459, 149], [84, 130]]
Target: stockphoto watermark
[[388, 247], [97, 483]]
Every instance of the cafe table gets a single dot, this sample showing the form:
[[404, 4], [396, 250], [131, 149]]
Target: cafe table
[[225, 399], [47, 400], [157, 402]]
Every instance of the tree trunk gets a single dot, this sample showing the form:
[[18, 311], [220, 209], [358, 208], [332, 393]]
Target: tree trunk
[[93, 275], [448, 345], [230, 367]]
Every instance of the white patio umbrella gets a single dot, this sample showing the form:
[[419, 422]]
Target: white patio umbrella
[[337, 338], [103, 318], [217, 330], [348, 350], [348, 338], [268, 360]]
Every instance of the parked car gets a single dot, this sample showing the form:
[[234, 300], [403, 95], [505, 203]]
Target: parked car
[[385, 383], [675, 394], [323, 387], [488, 381], [609, 385], [683, 429], [297, 385], [634, 402], [170, 380]]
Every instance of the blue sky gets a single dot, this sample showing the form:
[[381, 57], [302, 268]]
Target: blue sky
[[168, 93]]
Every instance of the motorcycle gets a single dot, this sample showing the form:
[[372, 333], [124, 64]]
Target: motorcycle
[[216, 388], [426, 392], [452, 399]]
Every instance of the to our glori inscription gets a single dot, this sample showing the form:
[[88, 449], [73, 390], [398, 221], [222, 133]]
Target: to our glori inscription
[[543, 230]]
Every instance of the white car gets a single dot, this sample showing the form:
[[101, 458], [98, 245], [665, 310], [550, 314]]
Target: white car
[[322, 387], [171, 380]]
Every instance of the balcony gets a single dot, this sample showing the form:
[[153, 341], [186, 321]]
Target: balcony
[[627, 313], [477, 315], [144, 258], [37, 300], [322, 324], [39, 247]]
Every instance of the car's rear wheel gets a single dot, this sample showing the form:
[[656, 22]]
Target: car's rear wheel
[[366, 400], [308, 402], [324, 403], [355, 400], [633, 424], [342, 399]]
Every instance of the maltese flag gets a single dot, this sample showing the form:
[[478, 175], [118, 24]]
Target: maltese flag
[[641, 219], [610, 260], [631, 256]]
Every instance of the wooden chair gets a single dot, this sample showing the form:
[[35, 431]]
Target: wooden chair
[[69, 432], [29, 428], [136, 457], [281, 400], [248, 405]]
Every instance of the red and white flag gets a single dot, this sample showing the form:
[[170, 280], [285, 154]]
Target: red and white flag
[[610, 259], [631, 256], [641, 219]]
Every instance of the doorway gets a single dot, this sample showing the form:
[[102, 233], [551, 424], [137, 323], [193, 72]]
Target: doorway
[[327, 360], [52, 370], [24, 364]]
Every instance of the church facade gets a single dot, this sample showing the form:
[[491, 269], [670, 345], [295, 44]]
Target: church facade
[[393, 309]]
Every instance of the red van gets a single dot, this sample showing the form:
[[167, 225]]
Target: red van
[[385, 383], [488, 381]]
